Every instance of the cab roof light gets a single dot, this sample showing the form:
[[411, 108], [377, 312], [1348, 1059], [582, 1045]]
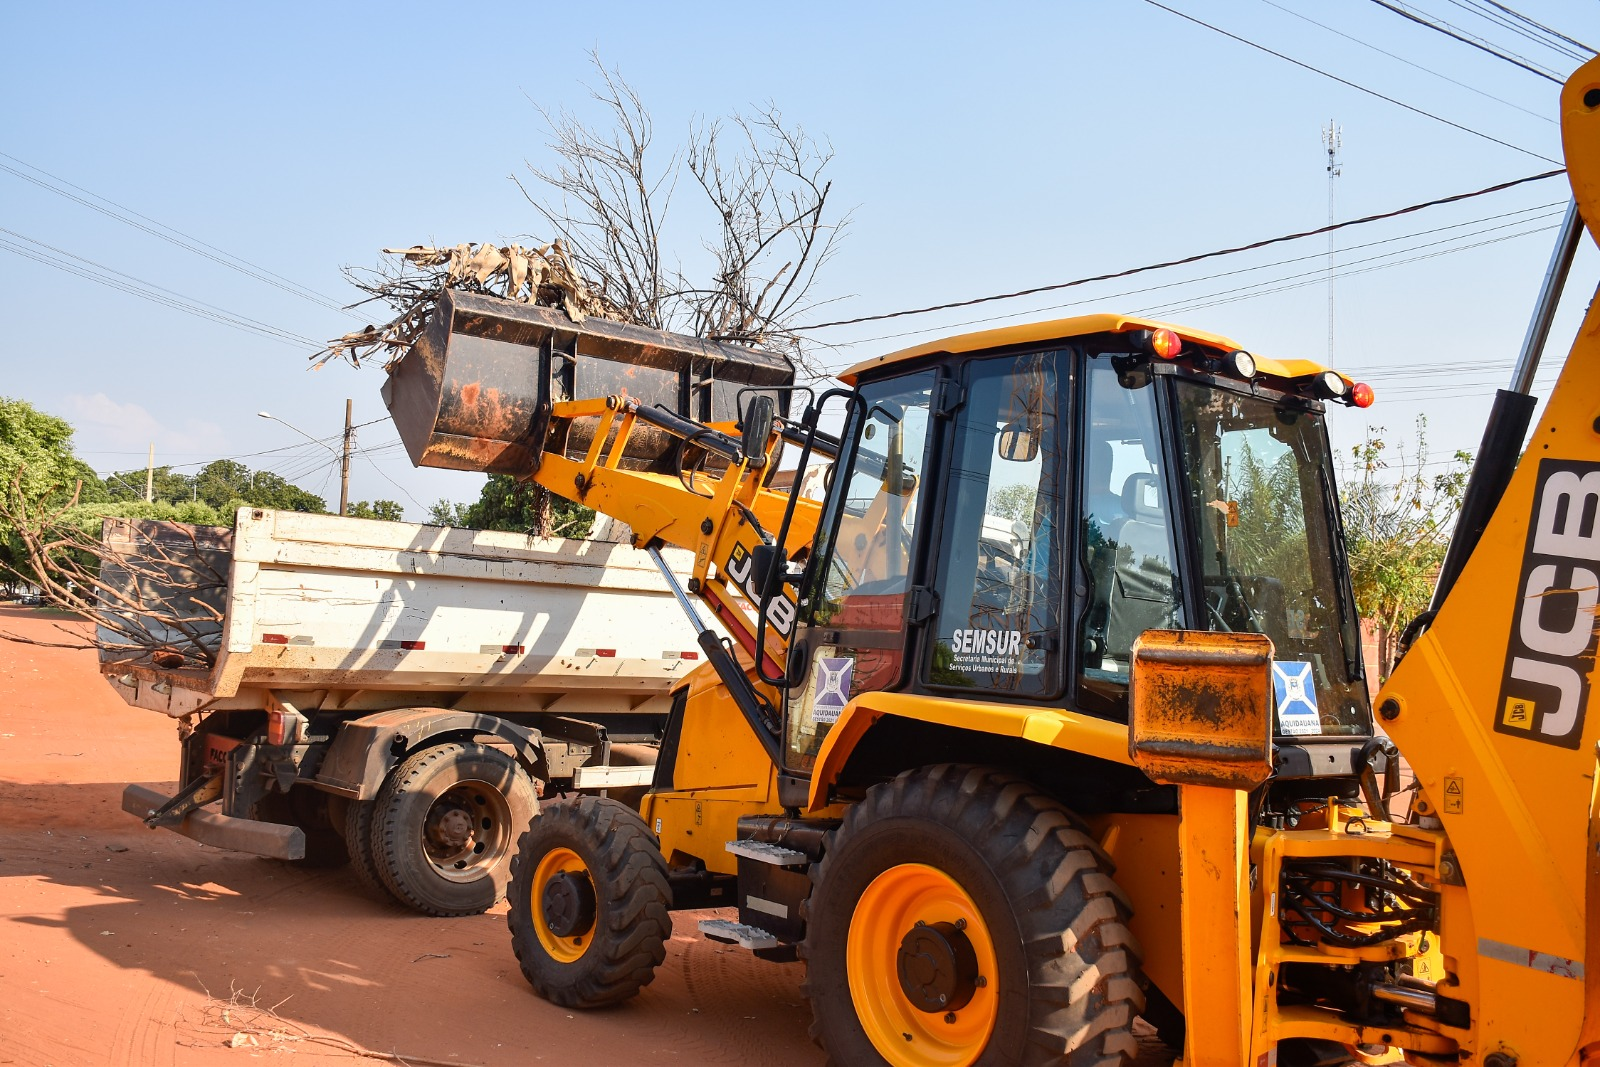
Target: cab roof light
[[1240, 364], [1162, 343], [1361, 395], [1330, 385]]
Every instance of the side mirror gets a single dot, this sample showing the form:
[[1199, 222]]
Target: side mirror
[[757, 427], [768, 565], [1018, 442]]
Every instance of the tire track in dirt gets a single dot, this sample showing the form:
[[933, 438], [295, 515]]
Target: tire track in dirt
[[147, 1032]]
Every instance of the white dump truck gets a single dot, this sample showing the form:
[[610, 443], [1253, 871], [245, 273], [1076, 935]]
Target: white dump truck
[[394, 694]]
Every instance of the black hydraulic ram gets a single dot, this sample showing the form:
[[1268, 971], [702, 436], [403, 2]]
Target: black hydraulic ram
[[760, 714], [1508, 420]]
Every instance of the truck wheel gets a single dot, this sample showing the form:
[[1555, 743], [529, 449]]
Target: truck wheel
[[444, 826], [308, 809], [589, 903], [358, 840], [959, 915]]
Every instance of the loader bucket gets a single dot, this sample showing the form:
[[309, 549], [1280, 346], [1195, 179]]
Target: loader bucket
[[474, 392]]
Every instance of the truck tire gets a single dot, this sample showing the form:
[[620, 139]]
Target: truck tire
[[444, 826], [589, 900], [960, 915], [308, 809], [358, 841]]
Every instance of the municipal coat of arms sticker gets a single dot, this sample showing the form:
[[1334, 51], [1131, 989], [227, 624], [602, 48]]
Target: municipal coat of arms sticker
[[1297, 698], [832, 687]]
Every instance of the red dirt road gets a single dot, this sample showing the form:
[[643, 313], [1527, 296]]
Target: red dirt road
[[139, 948], [126, 946]]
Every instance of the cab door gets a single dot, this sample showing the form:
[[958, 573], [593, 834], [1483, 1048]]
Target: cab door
[[860, 587]]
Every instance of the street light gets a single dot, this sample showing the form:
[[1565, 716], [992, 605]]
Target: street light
[[349, 432], [298, 430]]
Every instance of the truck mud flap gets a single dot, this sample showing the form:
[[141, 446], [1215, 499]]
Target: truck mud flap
[[273, 840]]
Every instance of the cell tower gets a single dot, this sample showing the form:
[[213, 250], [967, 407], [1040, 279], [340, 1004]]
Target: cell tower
[[1331, 142]]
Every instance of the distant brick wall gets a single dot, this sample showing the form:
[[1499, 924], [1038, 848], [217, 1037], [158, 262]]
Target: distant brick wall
[[1369, 654]]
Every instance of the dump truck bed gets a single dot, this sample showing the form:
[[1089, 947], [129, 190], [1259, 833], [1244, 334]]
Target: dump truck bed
[[391, 612]]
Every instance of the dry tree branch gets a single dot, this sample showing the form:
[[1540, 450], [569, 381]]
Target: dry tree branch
[[155, 598], [412, 284], [242, 1022]]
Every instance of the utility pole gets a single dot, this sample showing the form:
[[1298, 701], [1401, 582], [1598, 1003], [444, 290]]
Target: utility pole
[[150, 476], [1331, 142], [344, 474]]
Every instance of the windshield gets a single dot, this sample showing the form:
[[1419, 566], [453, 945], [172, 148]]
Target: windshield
[[1260, 495]]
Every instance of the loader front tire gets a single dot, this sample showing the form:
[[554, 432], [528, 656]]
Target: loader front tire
[[445, 824], [589, 902], [961, 916]]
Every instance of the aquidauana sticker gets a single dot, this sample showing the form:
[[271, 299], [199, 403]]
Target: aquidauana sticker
[[832, 690], [1297, 698]]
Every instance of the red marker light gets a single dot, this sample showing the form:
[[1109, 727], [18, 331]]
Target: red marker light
[[1361, 396], [1166, 344]]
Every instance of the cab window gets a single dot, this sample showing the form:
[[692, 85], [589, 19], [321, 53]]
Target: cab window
[[998, 575], [1125, 535]]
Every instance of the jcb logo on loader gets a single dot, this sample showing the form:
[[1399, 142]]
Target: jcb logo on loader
[[781, 612], [1544, 692]]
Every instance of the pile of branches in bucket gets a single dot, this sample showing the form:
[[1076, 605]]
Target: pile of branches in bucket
[[154, 591], [413, 284]]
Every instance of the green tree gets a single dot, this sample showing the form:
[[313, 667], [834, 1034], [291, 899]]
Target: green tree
[[226, 483], [167, 485], [1398, 519], [444, 513], [386, 510], [39, 474], [507, 504]]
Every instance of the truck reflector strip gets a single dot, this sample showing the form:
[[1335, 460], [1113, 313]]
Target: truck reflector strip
[[604, 653], [669, 654], [404, 646], [502, 650], [286, 639]]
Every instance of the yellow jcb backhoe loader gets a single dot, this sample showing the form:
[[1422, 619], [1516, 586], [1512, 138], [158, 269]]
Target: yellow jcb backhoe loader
[[1044, 705]]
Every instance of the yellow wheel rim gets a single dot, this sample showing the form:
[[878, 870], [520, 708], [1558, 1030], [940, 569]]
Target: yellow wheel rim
[[569, 949], [900, 1029]]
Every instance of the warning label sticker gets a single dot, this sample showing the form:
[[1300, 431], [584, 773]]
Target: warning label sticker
[[1454, 795]]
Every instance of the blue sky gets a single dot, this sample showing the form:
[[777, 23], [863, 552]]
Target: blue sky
[[982, 149]]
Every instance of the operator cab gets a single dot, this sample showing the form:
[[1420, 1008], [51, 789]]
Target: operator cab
[[1009, 510]]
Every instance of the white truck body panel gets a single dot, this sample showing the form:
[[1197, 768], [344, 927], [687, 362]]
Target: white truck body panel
[[487, 621]]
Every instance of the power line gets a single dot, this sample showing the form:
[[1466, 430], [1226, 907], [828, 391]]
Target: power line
[[1350, 84], [1417, 66], [1186, 259], [1541, 26], [171, 235], [1349, 249], [1315, 277], [179, 301], [1467, 39], [1492, 14], [146, 294]]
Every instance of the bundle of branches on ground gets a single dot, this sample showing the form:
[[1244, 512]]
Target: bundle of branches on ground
[[153, 590], [411, 285]]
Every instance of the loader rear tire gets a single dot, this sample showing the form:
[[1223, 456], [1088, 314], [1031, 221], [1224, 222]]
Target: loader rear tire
[[589, 900], [960, 915], [445, 824]]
